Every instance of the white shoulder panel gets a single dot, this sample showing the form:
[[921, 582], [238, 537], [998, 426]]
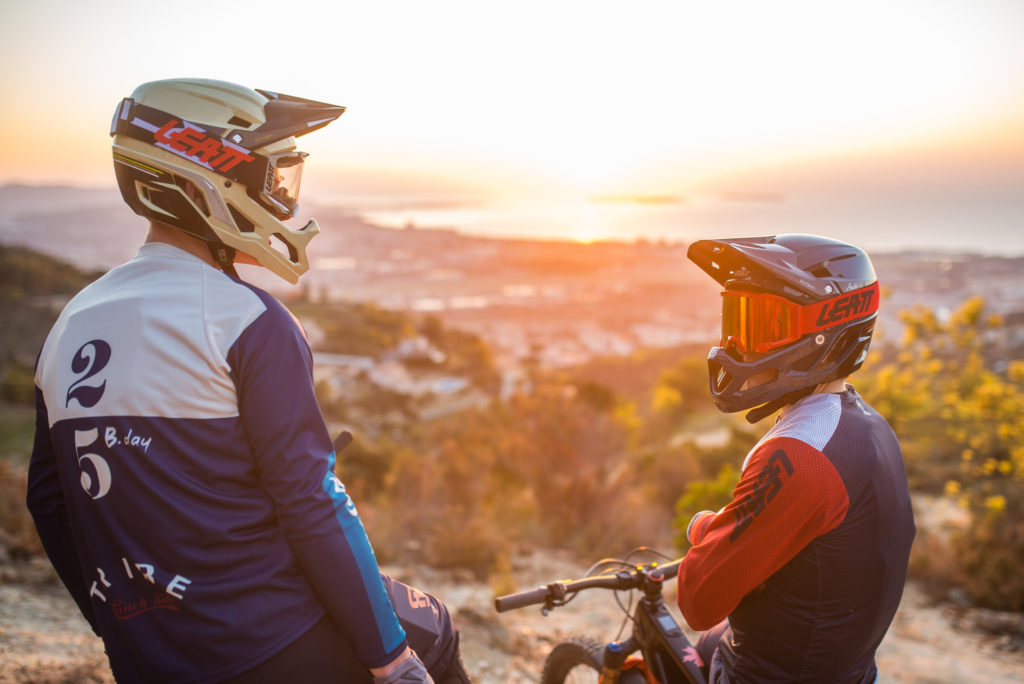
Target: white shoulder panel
[[813, 420], [150, 338]]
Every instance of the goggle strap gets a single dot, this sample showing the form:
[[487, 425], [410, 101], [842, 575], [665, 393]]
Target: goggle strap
[[203, 145], [740, 326]]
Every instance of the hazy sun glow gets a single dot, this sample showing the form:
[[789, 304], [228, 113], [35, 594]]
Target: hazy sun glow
[[538, 106]]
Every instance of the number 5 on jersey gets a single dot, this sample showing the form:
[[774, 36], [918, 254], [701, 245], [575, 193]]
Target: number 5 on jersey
[[97, 483]]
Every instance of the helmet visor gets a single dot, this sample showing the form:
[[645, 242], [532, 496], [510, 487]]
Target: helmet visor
[[757, 322]]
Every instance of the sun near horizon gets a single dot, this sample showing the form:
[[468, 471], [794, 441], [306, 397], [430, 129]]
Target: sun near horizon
[[569, 120]]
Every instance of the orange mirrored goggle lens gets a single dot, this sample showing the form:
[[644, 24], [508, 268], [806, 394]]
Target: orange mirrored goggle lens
[[757, 322]]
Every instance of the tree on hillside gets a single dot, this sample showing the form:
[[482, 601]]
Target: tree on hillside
[[547, 469], [25, 272], [466, 354], [681, 392], [33, 285], [954, 412], [358, 328]]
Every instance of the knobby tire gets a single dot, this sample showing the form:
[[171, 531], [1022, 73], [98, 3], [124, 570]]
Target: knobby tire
[[568, 656]]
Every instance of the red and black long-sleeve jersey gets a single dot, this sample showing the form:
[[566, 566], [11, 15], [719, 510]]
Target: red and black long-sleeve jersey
[[809, 559]]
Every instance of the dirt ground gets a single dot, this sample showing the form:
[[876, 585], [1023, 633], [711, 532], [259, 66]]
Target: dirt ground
[[43, 639]]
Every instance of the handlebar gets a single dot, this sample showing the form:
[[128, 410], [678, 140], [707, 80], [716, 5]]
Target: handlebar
[[522, 599], [559, 592]]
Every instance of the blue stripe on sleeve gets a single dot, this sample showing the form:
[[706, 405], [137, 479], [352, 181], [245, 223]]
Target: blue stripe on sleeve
[[391, 632]]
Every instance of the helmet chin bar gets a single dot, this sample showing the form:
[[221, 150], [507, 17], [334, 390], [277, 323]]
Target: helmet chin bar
[[263, 246], [728, 374]]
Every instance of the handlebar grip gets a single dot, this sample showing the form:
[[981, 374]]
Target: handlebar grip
[[522, 599], [343, 439]]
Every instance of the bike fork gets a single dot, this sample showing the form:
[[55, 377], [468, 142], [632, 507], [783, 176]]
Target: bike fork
[[615, 654]]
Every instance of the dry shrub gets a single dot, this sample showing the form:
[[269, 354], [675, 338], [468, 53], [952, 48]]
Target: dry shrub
[[930, 563], [469, 544], [16, 526], [546, 470], [990, 555]]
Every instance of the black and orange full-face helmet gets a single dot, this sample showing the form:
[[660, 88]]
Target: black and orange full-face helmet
[[219, 161], [797, 311]]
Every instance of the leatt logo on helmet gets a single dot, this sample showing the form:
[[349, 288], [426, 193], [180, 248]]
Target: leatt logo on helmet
[[853, 304], [193, 143]]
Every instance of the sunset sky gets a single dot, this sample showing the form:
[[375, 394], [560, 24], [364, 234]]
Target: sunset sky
[[897, 122]]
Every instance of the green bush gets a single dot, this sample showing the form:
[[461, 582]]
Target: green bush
[[24, 271], [18, 384], [704, 496], [990, 553], [959, 422], [542, 470]]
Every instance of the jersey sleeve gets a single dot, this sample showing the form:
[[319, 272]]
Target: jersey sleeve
[[789, 494], [272, 365], [45, 500]]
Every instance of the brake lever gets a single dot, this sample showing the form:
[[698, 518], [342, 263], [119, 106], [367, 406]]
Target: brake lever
[[555, 599]]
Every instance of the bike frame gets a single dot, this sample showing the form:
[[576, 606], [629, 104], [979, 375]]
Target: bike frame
[[668, 655]]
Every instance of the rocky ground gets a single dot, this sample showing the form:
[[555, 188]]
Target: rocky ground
[[43, 640]]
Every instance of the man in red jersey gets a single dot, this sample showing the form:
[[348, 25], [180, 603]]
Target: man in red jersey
[[800, 575]]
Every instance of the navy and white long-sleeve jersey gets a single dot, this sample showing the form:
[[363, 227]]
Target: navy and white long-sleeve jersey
[[182, 478], [809, 559]]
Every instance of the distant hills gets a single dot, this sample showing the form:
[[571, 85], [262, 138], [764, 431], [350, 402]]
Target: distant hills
[[33, 287], [92, 226], [571, 301], [25, 200], [89, 227], [443, 270]]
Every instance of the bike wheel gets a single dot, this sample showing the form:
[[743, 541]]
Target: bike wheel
[[575, 661]]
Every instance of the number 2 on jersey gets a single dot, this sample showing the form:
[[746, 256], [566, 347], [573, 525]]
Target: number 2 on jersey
[[90, 359]]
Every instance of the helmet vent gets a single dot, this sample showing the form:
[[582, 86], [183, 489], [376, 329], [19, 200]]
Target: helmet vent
[[284, 247], [244, 224], [159, 199], [239, 122], [193, 193], [831, 268]]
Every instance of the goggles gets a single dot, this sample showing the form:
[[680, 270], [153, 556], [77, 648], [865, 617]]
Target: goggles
[[273, 180], [757, 322]]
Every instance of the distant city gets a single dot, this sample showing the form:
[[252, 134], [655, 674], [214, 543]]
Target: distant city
[[558, 303]]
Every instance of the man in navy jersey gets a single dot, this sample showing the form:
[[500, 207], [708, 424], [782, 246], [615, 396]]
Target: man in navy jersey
[[182, 480], [798, 578]]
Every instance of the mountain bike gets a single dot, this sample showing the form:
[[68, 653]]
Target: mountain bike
[[667, 656]]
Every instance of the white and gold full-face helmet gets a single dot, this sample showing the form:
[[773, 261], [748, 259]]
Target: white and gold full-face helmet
[[219, 161]]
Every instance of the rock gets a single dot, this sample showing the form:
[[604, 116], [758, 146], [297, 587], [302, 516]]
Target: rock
[[958, 597]]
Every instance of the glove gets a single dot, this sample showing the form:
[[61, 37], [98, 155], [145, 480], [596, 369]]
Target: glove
[[698, 526], [411, 671]]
